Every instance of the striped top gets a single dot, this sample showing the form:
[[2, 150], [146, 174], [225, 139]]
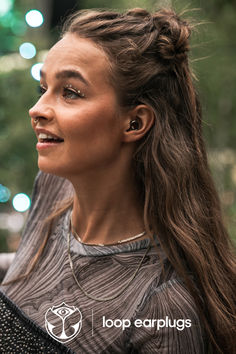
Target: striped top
[[150, 316]]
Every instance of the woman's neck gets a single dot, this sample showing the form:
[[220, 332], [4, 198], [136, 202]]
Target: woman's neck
[[107, 210]]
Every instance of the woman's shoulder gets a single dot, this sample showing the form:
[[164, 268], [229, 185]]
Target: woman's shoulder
[[50, 188], [48, 191]]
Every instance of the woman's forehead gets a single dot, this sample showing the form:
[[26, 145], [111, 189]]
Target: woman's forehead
[[75, 51]]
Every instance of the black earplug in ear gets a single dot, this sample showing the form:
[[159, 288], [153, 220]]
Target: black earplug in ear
[[133, 125]]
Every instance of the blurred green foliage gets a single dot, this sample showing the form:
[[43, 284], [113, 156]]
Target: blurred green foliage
[[17, 142], [213, 60]]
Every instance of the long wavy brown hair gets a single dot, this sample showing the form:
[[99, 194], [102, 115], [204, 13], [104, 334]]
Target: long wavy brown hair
[[149, 64]]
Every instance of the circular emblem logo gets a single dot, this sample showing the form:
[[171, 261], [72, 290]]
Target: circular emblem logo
[[63, 322]]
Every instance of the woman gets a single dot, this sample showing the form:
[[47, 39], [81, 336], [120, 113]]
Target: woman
[[136, 258]]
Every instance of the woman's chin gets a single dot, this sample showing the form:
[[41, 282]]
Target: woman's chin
[[52, 168]]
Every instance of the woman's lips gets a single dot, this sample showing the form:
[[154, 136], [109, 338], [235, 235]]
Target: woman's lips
[[45, 145]]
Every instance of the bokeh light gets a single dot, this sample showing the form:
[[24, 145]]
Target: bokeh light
[[27, 50], [34, 18], [5, 6], [21, 202], [15, 222], [35, 71], [4, 194]]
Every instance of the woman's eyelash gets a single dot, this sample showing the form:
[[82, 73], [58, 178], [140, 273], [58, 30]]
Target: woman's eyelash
[[68, 91], [41, 90]]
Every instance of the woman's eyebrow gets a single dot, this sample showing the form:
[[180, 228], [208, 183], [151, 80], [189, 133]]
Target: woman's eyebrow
[[65, 74]]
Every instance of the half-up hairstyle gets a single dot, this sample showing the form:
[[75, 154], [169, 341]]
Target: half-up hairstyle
[[148, 54], [149, 64]]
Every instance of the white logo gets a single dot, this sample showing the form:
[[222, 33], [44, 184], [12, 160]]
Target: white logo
[[57, 324]]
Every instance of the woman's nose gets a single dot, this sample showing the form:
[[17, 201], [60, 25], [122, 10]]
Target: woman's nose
[[41, 110]]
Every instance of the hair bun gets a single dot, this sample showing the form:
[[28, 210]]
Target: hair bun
[[173, 36]]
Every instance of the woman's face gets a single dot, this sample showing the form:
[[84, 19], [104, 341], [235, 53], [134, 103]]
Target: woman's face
[[79, 106]]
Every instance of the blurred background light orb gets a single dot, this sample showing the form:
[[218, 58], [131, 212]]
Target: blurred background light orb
[[5, 6], [35, 71], [15, 222], [27, 50], [21, 202], [4, 194], [34, 18]]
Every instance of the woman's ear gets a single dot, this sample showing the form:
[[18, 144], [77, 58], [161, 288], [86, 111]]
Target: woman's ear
[[138, 122]]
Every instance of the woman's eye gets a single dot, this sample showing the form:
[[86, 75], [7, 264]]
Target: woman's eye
[[68, 92], [41, 90], [72, 93]]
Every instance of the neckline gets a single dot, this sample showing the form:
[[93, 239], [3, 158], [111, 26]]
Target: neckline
[[91, 250], [77, 237]]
